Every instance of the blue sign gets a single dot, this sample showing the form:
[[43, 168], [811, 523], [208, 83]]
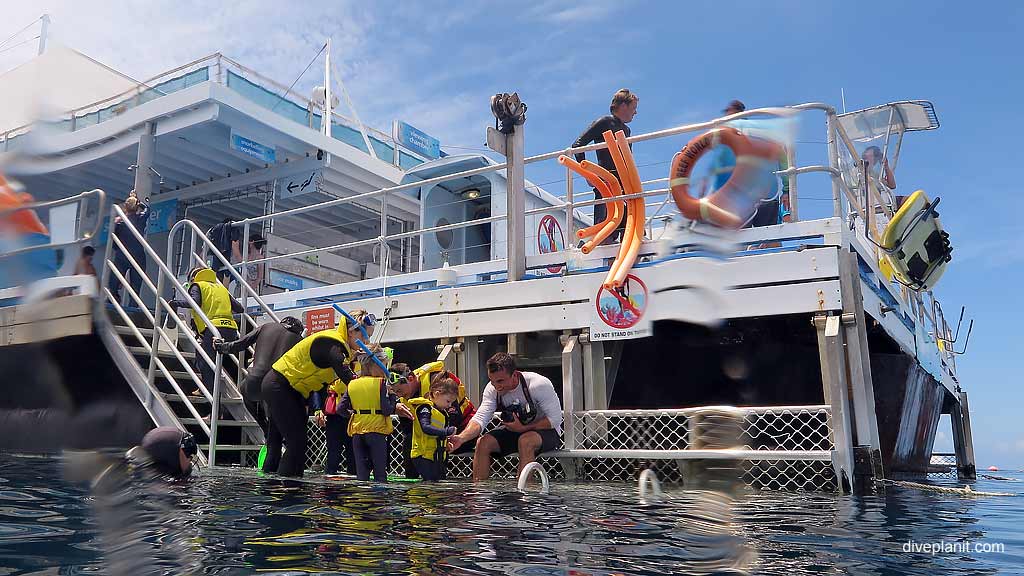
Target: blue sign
[[252, 148], [162, 216], [417, 141], [285, 281]]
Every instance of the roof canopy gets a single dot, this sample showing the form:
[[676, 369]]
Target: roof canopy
[[877, 122]]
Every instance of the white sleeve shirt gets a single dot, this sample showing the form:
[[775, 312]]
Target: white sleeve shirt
[[542, 391]]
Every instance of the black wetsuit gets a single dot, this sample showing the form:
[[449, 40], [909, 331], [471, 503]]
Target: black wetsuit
[[272, 340], [287, 409], [592, 135]]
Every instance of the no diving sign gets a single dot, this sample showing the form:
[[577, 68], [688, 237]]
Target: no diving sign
[[620, 313]]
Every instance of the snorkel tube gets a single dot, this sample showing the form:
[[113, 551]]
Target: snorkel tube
[[361, 343]]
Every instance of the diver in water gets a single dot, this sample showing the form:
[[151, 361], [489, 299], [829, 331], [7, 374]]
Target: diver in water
[[140, 525]]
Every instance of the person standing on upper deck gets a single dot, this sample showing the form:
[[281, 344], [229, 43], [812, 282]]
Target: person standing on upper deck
[[623, 110]]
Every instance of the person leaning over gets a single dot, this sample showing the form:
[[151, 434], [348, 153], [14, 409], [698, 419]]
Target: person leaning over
[[307, 367], [530, 411]]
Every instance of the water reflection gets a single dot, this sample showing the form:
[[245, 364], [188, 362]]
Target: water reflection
[[237, 523]]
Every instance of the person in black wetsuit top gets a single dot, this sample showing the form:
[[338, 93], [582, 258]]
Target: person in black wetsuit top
[[271, 341], [623, 110]]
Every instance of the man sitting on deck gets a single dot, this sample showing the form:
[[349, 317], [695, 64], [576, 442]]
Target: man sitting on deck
[[530, 410]]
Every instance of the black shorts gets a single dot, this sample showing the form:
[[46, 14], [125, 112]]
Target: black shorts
[[508, 441]]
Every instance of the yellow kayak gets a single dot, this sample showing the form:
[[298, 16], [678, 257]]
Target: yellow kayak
[[915, 247]]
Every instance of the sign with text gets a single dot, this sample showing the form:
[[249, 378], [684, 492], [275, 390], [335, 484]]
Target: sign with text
[[319, 320], [162, 216], [619, 314], [416, 140], [252, 148]]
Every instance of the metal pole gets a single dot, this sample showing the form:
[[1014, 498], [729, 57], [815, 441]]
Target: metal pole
[[325, 124], [791, 160], [570, 220], [394, 141], [44, 32], [215, 414], [833, 161], [572, 372], [515, 205], [144, 163]]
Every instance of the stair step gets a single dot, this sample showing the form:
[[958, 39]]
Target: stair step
[[237, 447], [199, 399], [140, 351], [179, 376], [223, 423]]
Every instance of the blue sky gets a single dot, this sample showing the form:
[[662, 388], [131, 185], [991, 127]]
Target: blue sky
[[435, 64]]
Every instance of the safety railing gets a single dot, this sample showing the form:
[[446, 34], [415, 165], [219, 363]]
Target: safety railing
[[654, 188], [81, 200], [152, 348], [221, 69], [208, 248]]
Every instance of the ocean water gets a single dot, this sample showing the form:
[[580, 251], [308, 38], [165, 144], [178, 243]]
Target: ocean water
[[235, 522]]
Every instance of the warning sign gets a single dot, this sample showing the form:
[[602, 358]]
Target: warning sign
[[619, 313], [319, 320], [550, 239]]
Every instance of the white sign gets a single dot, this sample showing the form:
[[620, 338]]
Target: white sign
[[300, 184], [621, 313]]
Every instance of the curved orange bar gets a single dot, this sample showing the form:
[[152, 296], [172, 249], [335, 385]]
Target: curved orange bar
[[602, 188], [633, 237], [639, 211], [618, 208]]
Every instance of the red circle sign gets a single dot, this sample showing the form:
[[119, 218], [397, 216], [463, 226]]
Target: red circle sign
[[623, 307], [550, 239]]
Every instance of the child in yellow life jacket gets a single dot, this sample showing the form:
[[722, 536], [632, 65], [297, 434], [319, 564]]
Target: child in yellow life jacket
[[371, 405], [430, 427]]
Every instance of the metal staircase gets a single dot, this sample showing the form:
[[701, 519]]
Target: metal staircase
[[168, 382]]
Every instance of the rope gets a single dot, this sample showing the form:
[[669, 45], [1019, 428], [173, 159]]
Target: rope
[[965, 491], [287, 92]]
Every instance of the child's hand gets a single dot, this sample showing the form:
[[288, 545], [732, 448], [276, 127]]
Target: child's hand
[[320, 418], [403, 411]]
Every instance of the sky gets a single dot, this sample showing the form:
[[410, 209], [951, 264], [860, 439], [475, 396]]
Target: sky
[[435, 65]]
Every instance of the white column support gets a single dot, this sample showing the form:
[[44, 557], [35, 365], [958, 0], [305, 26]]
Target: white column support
[[572, 387], [857, 352], [833, 377], [595, 387], [469, 368]]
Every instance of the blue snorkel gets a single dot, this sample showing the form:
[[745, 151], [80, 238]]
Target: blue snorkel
[[361, 343]]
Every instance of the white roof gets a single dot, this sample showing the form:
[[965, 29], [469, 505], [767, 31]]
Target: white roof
[[59, 80]]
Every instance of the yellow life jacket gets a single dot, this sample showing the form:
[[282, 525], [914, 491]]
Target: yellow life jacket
[[339, 387], [216, 302], [297, 366], [426, 373], [423, 444], [369, 417]]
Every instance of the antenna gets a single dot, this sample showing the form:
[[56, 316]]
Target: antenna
[[842, 93]]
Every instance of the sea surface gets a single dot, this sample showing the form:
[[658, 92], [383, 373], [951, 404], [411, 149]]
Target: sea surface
[[237, 522]]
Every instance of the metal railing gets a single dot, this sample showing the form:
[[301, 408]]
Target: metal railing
[[165, 277], [208, 68], [81, 199]]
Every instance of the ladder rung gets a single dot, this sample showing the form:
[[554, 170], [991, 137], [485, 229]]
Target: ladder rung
[[140, 351], [220, 423], [198, 399]]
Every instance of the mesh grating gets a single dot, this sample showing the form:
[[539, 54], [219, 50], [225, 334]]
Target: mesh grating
[[783, 428]]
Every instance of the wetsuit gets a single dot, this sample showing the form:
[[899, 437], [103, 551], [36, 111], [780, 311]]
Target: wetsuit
[[272, 340], [592, 135], [305, 368], [134, 247]]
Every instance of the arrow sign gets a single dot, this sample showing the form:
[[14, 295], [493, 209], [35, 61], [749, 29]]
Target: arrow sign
[[301, 186]]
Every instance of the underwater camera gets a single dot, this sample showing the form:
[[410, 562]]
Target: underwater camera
[[524, 412]]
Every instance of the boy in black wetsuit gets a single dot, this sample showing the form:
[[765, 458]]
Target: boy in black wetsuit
[[623, 110]]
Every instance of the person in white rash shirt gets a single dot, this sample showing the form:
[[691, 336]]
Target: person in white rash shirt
[[530, 411]]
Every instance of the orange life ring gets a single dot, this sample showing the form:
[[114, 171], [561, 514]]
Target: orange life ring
[[720, 207]]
